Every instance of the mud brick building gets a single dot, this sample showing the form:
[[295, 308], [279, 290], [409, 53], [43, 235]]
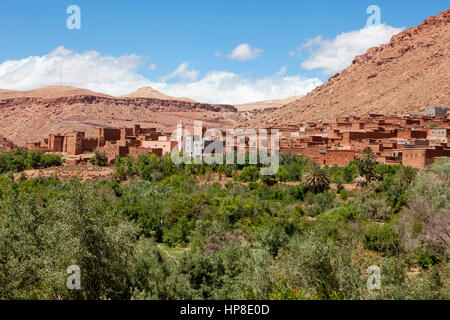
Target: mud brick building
[[337, 157], [411, 139], [422, 157], [113, 141]]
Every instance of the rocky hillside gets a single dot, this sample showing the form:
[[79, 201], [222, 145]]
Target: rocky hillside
[[5, 143], [28, 116], [407, 75]]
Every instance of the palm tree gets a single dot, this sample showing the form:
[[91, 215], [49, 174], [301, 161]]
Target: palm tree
[[367, 164], [407, 174], [316, 178], [368, 154]]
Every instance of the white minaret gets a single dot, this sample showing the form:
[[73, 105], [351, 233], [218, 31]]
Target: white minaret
[[180, 133]]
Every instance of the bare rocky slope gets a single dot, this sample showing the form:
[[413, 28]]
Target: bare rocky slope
[[407, 75], [29, 115], [5, 143]]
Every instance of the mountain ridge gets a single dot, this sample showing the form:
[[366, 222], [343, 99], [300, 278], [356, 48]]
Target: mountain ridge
[[31, 115], [407, 75]]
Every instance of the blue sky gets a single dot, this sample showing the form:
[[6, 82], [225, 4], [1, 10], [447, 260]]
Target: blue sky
[[144, 42]]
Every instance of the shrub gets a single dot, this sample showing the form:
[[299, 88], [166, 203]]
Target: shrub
[[347, 212], [325, 200], [375, 209], [282, 175], [313, 210], [249, 173], [217, 275], [51, 160], [344, 194], [395, 285], [320, 267], [99, 159], [382, 238], [41, 241], [273, 239], [154, 276], [20, 159], [425, 221], [269, 180], [424, 257]]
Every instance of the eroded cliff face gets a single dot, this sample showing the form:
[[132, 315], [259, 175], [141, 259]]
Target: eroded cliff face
[[407, 75], [150, 103]]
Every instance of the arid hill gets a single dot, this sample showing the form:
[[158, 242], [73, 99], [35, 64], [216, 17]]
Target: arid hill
[[149, 92], [267, 104], [27, 116], [50, 93], [407, 75]]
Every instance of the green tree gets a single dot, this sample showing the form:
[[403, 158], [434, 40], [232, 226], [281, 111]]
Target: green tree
[[249, 173], [406, 174], [316, 178], [367, 164]]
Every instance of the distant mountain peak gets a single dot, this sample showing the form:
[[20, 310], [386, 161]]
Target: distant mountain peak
[[149, 92]]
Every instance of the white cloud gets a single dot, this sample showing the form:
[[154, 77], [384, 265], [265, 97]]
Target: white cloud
[[119, 75], [152, 66], [227, 87], [243, 52], [282, 71], [337, 54], [182, 72], [88, 70]]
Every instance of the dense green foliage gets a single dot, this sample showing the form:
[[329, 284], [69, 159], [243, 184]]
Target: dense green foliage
[[21, 159], [166, 231]]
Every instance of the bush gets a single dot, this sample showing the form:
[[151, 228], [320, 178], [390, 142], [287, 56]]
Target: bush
[[424, 223], [382, 238], [321, 268], [325, 200], [313, 210], [218, 275], [249, 173], [154, 276], [344, 194], [42, 236], [268, 180], [273, 239], [395, 285], [282, 174], [100, 159], [20, 159], [375, 209], [51, 160], [423, 257]]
